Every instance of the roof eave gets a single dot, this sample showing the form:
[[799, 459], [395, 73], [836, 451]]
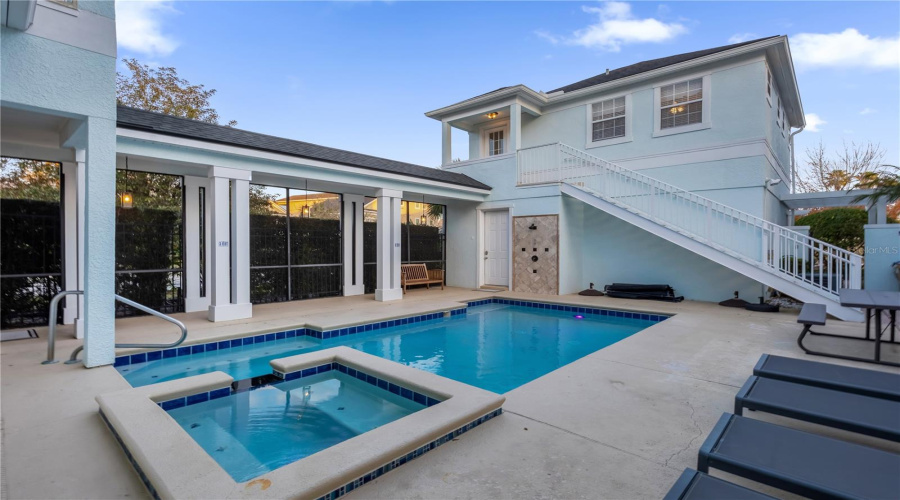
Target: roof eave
[[537, 98]]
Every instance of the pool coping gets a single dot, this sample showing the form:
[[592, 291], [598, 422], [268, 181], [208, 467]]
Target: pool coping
[[173, 465], [314, 333]]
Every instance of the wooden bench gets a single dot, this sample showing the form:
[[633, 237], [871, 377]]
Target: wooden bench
[[419, 274]]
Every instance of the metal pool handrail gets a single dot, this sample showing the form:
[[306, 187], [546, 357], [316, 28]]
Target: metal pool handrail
[[51, 336]]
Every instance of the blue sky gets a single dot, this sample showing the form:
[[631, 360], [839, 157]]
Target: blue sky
[[361, 75]]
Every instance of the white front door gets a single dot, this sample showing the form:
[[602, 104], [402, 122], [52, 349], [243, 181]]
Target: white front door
[[496, 248]]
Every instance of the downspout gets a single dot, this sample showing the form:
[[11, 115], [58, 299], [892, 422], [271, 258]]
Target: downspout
[[793, 160]]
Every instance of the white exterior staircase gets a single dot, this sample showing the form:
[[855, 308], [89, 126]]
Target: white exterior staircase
[[805, 268]]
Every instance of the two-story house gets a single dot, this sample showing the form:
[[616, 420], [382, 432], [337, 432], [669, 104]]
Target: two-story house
[[671, 170]]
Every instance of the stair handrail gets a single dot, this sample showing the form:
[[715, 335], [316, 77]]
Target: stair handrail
[[51, 334], [593, 166]]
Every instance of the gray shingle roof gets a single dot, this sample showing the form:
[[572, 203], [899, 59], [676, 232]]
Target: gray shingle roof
[[137, 119], [650, 65]]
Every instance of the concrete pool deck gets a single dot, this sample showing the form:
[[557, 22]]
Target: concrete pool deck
[[622, 422]]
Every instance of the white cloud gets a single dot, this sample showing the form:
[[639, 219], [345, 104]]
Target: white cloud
[[868, 111], [742, 37], [139, 26], [616, 26], [813, 122], [849, 48]]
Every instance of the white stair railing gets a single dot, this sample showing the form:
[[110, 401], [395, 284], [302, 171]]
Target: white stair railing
[[809, 262]]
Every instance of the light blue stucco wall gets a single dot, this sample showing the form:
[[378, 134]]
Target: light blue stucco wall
[[882, 250], [63, 80]]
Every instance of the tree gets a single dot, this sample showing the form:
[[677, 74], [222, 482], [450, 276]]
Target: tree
[[841, 227], [163, 91], [29, 180], [853, 168], [887, 185]]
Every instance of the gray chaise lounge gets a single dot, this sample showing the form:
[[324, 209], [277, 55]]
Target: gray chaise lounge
[[829, 376], [842, 410], [693, 485], [799, 462]]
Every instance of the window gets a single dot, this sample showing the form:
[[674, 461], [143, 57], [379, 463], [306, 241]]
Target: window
[[608, 119], [495, 143], [768, 82], [681, 104]]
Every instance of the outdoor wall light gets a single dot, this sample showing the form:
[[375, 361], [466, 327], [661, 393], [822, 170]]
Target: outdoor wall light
[[493, 115], [127, 200]]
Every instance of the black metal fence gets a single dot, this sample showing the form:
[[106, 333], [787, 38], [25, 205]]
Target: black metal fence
[[30, 261], [149, 251], [294, 258]]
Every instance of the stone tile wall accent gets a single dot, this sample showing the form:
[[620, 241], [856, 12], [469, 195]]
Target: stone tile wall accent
[[540, 275]]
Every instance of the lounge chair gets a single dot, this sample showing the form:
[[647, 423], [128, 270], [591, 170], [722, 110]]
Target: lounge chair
[[799, 462], [840, 378], [842, 410], [693, 485]]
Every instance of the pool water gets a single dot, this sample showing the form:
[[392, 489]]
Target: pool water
[[253, 432], [495, 347]]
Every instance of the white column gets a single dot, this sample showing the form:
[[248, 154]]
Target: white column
[[228, 276], [193, 301], [388, 245], [353, 244], [70, 240], [100, 247], [80, 187], [240, 248], [446, 147], [515, 128]]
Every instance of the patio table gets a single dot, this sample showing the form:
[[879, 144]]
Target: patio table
[[877, 302]]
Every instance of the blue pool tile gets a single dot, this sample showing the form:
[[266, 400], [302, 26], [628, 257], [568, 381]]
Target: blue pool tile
[[351, 372], [172, 404], [197, 398], [420, 398], [307, 372], [344, 331], [224, 345], [360, 375], [247, 341], [169, 353], [219, 393], [154, 355], [279, 335], [370, 379], [382, 384], [394, 388], [323, 368], [290, 334], [341, 368], [196, 349], [270, 337], [212, 346], [259, 339], [431, 401], [138, 358], [406, 393], [123, 361]]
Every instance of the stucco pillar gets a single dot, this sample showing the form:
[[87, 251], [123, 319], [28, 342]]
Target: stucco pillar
[[446, 144], [388, 240], [100, 242], [196, 243], [515, 127], [878, 211], [240, 247], [353, 244]]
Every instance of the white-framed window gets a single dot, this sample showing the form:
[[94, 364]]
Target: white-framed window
[[494, 140], [682, 106], [779, 113], [609, 121], [769, 85]]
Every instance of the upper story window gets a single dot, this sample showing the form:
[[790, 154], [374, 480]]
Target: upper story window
[[681, 104], [494, 140], [72, 4], [768, 83], [608, 119]]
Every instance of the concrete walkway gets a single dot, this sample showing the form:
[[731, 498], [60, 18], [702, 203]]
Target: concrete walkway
[[622, 422]]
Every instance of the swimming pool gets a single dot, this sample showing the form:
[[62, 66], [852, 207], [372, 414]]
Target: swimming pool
[[494, 346]]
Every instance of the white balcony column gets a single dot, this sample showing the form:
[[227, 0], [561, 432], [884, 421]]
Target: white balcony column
[[515, 127], [446, 144], [388, 245], [229, 264], [196, 242], [353, 244], [100, 247], [80, 189]]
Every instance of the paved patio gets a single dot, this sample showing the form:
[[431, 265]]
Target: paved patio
[[622, 422]]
